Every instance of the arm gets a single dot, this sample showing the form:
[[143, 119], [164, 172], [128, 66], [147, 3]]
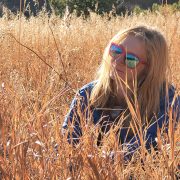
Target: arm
[[78, 112], [163, 121], [151, 133], [72, 119]]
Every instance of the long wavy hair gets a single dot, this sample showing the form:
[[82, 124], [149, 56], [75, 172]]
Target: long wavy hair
[[148, 89]]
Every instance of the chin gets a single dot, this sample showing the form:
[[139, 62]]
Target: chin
[[119, 74]]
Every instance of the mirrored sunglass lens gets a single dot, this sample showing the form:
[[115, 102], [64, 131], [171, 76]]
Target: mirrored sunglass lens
[[115, 50], [132, 57], [131, 64], [131, 61]]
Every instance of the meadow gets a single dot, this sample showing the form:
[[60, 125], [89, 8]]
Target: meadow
[[43, 62]]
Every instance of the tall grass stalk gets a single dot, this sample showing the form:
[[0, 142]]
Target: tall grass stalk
[[34, 98]]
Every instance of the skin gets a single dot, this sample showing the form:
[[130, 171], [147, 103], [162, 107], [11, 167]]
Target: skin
[[134, 45]]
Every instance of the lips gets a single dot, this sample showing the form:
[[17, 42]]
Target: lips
[[118, 70]]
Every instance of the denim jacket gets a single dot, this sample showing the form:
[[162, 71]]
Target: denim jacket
[[81, 101]]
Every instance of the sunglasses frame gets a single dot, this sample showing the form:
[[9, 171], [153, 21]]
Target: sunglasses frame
[[124, 53]]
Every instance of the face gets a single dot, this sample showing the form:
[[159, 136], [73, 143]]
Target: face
[[135, 46]]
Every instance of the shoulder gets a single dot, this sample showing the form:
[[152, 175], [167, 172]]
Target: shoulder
[[168, 94], [174, 99], [83, 94], [86, 89], [171, 99], [171, 91]]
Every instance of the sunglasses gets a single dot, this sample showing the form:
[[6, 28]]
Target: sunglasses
[[131, 59]]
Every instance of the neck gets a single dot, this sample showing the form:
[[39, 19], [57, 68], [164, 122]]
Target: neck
[[121, 91]]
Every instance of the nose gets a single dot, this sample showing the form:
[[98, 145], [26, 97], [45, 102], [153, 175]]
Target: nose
[[120, 59]]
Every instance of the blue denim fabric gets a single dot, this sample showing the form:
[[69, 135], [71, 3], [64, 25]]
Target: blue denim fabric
[[81, 101]]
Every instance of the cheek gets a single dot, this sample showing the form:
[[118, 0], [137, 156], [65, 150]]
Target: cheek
[[115, 75], [131, 75], [112, 62], [138, 74]]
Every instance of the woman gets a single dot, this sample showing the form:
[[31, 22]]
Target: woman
[[130, 92]]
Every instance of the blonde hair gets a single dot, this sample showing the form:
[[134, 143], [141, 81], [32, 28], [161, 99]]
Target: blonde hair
[[150, 88]]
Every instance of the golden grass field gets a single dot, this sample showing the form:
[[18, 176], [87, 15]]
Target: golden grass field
[[43, 62]]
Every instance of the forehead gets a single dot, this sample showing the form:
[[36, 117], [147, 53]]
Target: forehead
[[134, 45]]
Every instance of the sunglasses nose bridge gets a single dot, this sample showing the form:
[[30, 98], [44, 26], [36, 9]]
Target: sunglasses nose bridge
[[120, 59]]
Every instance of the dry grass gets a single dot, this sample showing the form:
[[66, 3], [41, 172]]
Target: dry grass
[[34, 98]]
